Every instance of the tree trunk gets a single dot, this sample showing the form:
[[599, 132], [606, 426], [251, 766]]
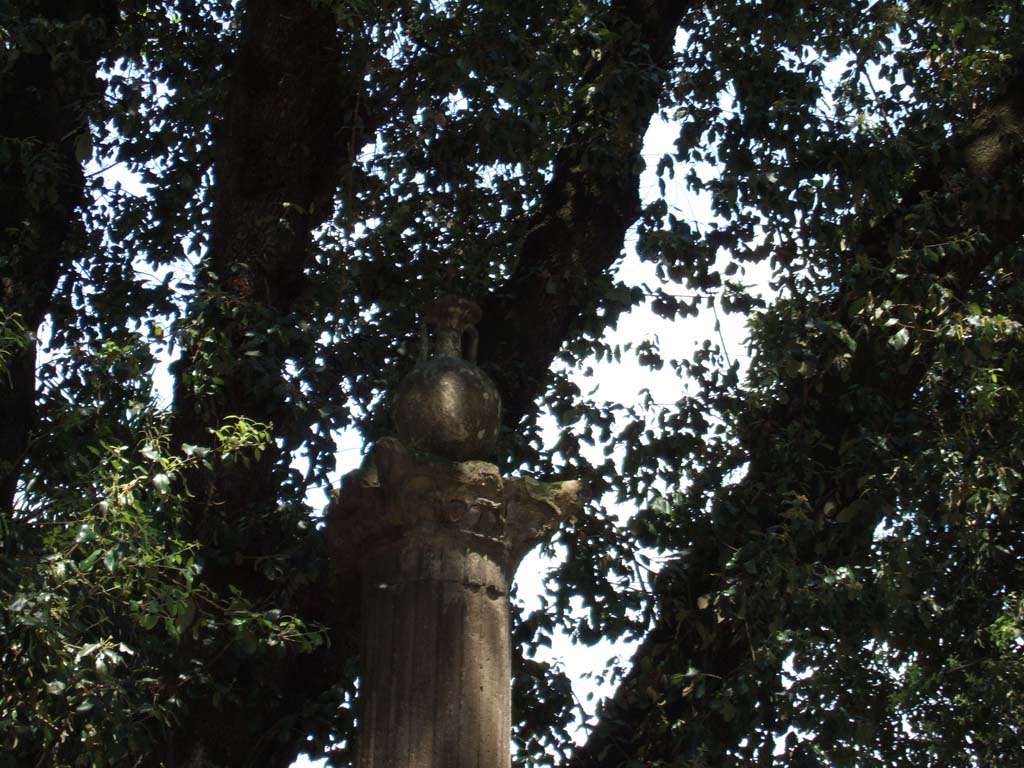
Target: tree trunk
[[45, 100]]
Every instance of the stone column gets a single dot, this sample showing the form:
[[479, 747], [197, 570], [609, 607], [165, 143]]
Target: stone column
[[435, 544], [434, 537]]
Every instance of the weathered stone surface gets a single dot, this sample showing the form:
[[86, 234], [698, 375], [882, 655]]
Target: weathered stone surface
[[448, 407], [435, 544]]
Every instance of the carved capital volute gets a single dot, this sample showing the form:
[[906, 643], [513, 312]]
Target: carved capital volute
[[536, 509], [399, 495]]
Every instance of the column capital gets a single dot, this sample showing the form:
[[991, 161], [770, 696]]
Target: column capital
[[399, 493]]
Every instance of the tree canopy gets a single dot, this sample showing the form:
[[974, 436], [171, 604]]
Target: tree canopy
[[839, 528]]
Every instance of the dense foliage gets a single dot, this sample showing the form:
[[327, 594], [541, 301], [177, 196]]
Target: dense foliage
[[266, 192]]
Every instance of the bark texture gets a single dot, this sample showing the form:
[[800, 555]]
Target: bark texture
[[290, 121]]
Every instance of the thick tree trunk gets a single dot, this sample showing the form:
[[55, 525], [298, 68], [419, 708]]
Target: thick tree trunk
[[291, 123], [45, 100]]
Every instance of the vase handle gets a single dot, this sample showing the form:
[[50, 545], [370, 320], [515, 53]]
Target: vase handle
[[470, 342]]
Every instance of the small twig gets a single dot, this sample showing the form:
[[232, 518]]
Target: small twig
[[718, 327], [104, 169]]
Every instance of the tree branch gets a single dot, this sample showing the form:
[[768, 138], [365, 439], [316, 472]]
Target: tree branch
[[591, 201]]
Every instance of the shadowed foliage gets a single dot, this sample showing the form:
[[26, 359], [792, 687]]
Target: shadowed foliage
[[218, 224]]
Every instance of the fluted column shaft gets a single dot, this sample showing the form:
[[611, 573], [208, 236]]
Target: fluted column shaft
[[436, 669]]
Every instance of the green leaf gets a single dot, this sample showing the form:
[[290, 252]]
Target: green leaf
[[87, 564], [899, 339]]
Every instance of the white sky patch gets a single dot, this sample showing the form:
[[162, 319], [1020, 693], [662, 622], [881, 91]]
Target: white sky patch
[[624, 382]]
